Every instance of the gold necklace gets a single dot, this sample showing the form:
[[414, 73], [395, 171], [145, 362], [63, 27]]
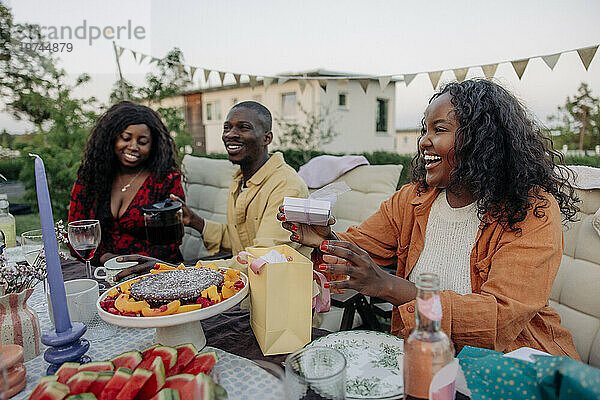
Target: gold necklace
[[124, 188]]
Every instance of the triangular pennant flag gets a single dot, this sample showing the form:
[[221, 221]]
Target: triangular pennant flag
[[267, 82], [192, 72], [342, 83], [551, 60], [408, 78], [434, 77], [460, 73], [489, 70], [252, 80], [364, 84], [206, 75], [142, 58], [237, 78], [302, 84], [153, 60], [519, 66], [134, 55], [323, 83], [281, 81], [221, 77], [383, 81], [121, 50], [586, 55]]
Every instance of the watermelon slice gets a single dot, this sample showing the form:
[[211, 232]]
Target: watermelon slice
[[156, 381], [50, 391], [220, 392], [101, 380], [168, 355], [201, 388], [177, 381], [134, 384], [185, 354], [130, 360], [116, 383], [66, 371], [81, 381], [147, 351], [202, 363], [167, 394], [97, 366], [81, 396], [42, 384]]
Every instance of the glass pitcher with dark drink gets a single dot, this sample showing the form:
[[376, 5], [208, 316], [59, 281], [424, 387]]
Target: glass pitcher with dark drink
[[164, 222], [428, 349]]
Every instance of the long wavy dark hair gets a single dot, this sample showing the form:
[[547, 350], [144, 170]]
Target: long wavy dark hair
[[100, 164], [502, 157]]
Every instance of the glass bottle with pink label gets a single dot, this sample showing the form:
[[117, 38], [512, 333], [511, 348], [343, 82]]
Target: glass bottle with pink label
[[428, 349]]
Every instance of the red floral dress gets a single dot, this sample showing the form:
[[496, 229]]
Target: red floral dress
[[127, 235]]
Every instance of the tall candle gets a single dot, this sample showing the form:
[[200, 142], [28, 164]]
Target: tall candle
[[58, 296]]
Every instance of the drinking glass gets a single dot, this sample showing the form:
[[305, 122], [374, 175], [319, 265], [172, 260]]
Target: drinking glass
[[316, 373], [84, 237], [32, 245]]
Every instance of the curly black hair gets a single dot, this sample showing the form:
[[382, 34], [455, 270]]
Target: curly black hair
[[100, 164], [502, 157]]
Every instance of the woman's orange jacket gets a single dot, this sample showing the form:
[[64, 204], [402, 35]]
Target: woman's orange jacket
[[511, 275]]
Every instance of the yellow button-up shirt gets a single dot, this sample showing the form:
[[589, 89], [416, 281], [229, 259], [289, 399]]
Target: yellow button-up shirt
[[252, 212]]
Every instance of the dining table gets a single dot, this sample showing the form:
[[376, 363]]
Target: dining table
[[228, 334]]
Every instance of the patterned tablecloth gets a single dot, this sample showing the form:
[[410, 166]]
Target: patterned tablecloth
[[242, 378]]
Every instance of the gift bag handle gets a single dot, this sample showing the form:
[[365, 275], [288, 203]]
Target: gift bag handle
[[255, 265]]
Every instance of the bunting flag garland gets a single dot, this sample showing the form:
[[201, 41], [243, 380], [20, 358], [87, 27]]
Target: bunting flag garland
[[551, 60], [461, 74], [408, 78], [519, 66], [489, 70], [586, 55], [434, 77], [384, 81]]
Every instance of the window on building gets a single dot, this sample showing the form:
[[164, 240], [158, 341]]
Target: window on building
[[213, 111], [381, 118], [343, 100], [288, 104]]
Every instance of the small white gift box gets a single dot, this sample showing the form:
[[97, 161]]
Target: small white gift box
[[306, 211]]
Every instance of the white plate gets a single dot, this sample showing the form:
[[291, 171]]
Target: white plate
[[114, 264], [372, 370]]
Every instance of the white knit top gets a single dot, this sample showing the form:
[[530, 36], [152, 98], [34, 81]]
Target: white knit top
[[449, 239]]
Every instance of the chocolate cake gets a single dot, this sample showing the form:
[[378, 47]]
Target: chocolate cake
[[182, 284]]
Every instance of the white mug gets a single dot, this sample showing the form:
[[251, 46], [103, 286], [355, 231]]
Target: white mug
[[81, 300], [111, 268]]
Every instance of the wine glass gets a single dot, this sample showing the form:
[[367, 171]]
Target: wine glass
[[84, 237], [32, 245]]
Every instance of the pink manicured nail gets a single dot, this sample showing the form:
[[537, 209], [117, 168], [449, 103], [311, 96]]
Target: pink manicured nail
[[322, 267]]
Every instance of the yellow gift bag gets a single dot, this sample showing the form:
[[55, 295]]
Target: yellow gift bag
[[281, 298]]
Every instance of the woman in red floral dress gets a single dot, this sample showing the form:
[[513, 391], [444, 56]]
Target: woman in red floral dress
[[129, 162]]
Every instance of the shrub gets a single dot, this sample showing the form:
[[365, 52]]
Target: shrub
[[11, 167]]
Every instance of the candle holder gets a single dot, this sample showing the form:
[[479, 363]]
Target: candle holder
[[65, 342]]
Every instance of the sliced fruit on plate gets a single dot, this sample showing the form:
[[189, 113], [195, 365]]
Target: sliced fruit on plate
[[167, 394], [50, 388], [178, 382], [185, 354], [228, 290], [202, 363], [168, 355], [66, 371], [101, 381], [211, 293], [188, 307], [114, 386], [147, 351], [202, 387], [81, 381], [156, 381], [125, 304], [130, 360], [97, 366], [161, 311], [82, 396], [134, 384]]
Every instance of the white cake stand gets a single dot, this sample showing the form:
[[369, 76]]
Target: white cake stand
[[172, 330]]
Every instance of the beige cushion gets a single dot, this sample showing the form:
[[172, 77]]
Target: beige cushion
[[370, 184], [206, 188], [576, 290]]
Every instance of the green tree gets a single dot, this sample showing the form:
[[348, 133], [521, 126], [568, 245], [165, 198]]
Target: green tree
[[168, 80], [308, 133], [578, 120]]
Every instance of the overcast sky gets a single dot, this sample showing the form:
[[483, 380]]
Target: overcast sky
[[372, 37]]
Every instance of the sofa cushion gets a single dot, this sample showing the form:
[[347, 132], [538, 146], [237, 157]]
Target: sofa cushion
[[206, 188], [370, 184]]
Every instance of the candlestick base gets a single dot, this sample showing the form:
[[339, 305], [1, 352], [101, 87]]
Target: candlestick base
[[66, 346]]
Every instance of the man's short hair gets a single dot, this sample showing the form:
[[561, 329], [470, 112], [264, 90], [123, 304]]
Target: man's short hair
[[264, 115]]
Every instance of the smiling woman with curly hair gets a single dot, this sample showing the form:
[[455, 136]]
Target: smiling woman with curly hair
[[129, 162], [483, 213]]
